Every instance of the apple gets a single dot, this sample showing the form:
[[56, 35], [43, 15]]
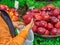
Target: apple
[[49, 13], [53, 31], [46, 32], [45, 16], [37, 17], [57, 25], [28, 12], [43, 24], [35, 11], [54, 19], [41, 30], [37, 23], [16, 13], [58, 17], [34, 28], [3, 7], [12, 10], [27, 18], [58, 31], [50, 7], [43, 8], [49, 26], [56, 12], [15, 18]]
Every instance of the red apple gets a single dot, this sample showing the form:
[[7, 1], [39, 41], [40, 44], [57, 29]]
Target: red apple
[[3, 7], [43, 24], [58, 17], [50, 7], [49, 13], [46, 32], [12, 10], [41, 30], [29, 12], [34, 28], [15, 18], [37, 17], [49, 26], [8, 10], [15, 13], [53, 31], [56, 12], [6, 7], [58, 31], [54, 19], [45, 16], [36, 14], [27, 18], [57, 25], [35, 11], [43, 8], [37, 23]]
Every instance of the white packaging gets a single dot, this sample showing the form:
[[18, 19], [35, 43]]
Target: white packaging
[[16, 5]]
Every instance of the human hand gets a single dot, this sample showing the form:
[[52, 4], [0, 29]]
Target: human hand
[[29, 26], [17, 24]]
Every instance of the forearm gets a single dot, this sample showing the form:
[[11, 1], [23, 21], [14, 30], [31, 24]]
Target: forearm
[[18, 40], [21, 37]]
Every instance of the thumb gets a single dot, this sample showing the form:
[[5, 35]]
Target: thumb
[[31, 23]]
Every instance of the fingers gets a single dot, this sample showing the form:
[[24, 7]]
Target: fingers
[[31, 23], [22, 23], [17, 24], [27, 27], [20, 27]]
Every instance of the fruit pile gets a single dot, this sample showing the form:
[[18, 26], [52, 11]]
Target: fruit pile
[[46, 20], [12, 13]]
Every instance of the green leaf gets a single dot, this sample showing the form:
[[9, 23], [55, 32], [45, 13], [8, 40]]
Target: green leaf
[[21, 3], [30, 3]]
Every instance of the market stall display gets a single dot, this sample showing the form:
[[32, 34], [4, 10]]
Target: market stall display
[[46, 24], [46, 20]]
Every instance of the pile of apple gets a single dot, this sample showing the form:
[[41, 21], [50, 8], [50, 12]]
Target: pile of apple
[[46, 20], [12, 13]]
